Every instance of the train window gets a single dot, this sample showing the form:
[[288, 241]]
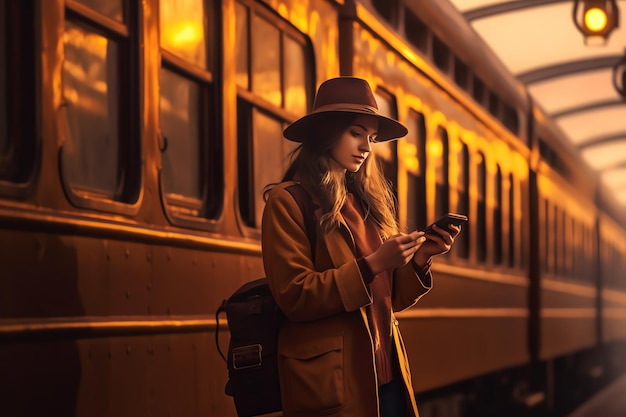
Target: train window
[[271, 93], [590, 249], [461, 74], [478, 90], [267, 153], [295, 76], [442, 172], [511, 220], [416, 31], [550, 237], [17, 96], [191, 172], [557, 241], [570, 244], [108, 8], [90, 89], [266, 62], [441, 54], [242, 23], [493, 104], [183, 30], [576, 252], [510, 118], [544, 243], [386, 152], [179, 113], [481, 221], [100, 157], [497, 216], [414, 151], [463, 241], [388, 9], [562, 241]]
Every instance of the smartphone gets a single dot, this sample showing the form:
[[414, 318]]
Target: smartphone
[[443, 222]]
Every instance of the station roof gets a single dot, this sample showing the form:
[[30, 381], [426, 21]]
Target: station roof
[[570, 79]]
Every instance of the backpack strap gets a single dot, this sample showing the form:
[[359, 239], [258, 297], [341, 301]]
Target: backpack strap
[[220, 309], [305, 202]]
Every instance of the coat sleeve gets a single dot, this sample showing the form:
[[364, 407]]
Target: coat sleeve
[[303, 293], [408, 287]]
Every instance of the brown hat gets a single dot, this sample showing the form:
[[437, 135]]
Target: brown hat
[[344, 95]]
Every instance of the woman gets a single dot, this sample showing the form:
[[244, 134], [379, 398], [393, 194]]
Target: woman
[[340, 351]]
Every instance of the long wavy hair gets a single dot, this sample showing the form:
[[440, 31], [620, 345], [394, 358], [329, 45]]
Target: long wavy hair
[[311, 162]]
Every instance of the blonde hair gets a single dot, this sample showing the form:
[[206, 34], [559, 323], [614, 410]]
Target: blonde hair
[[311, 161]]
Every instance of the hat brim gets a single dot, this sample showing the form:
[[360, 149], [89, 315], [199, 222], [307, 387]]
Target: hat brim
[[303, 129]]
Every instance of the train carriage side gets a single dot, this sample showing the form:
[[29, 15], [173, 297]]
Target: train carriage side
[[612, 300], [567, 280], [459, 157], [134, 143]]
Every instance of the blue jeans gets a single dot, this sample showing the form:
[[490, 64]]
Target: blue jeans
[[392, 402]]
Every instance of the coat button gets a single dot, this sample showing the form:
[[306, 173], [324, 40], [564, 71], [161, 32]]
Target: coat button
[[395, 322]]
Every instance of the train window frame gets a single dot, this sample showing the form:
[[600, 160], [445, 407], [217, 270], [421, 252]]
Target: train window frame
[[20, 152], [463, 243], [414, 162], [416, 31], [203, 210], [125, 199], [441, 172], [389, 10], [544, 234], [387, 106], [512, 235], [251, 102], [497, 216], [481, 207], [442, 56], [462, 73]]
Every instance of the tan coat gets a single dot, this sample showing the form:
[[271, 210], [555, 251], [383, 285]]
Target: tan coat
[[326, 356]]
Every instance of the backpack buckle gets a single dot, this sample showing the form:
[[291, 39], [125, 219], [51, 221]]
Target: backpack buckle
[[247, 356]]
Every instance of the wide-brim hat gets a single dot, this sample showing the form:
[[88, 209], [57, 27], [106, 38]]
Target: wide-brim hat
[[343, 95]]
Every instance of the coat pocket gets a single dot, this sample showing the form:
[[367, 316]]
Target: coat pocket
[[313, 375]]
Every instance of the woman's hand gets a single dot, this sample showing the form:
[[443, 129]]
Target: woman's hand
[[395, 251], [436, 244]]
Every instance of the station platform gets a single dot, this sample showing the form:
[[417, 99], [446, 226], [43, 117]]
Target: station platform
[[610, 402]]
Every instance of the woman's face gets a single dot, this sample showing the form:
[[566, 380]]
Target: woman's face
[[354, 144]]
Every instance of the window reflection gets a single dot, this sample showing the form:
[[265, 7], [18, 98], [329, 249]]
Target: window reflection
[[180, 128], [90, 91], [183, 30], [266, 61], [241, 45], [295, 77], [109, 8], [270, 156], [442, 173]]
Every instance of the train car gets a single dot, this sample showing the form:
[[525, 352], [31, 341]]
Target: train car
[[136, 138], [565, 287], [467, 153]]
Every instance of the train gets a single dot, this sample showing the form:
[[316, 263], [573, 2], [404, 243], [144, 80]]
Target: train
[[136, 138]]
